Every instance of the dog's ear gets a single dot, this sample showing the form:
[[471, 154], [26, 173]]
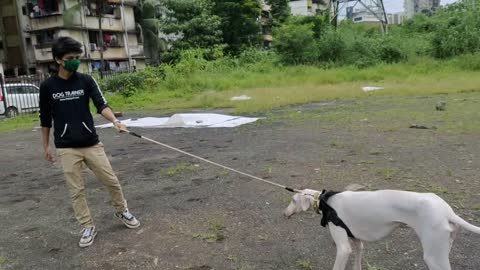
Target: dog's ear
[[305, 202]]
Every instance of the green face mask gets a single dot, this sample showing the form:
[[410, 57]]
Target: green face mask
[[72, 64]]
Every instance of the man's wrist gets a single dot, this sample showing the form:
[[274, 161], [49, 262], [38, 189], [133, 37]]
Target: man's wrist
[[116, 121]]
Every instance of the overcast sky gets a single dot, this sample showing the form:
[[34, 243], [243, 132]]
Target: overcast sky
[[393, 6]]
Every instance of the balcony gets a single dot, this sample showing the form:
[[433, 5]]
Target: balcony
[[43, 54], [136, 50], [46, 23], [110, 53], [44, 8], [108, 23]]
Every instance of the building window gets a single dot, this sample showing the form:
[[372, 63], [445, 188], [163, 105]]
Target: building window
[[110, 39], [93, 40], [42, 8], [28, 41], [107, 9], [1, 45], [45, 38]]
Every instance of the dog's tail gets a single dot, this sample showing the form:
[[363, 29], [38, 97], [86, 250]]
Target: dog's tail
[[454, 218]]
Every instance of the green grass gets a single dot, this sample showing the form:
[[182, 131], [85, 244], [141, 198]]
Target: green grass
[[273, 86], [19, 123], [214, 234], [388, 173], [373, 267], [304, 265], [395, 113], [179, 168], [3, 261]]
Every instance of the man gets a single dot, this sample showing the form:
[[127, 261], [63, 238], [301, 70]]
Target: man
[[65, 98]]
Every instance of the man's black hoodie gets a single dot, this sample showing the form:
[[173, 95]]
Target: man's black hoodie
[[66, 102]]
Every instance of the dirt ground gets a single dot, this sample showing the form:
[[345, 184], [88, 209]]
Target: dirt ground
[[196, 216]]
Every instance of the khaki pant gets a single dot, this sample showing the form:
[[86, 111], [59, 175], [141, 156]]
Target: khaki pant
[[96, 160]]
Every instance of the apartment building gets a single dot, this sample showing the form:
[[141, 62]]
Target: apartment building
[[29, 28], [307, 7], [396, 18], [266, 22], [415, 6]]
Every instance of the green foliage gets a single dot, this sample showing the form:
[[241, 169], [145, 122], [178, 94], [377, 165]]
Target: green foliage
[[239, 23], [468, 62], [331, 47], [295, 43], [233, 27], [193, 23], [128, 84], [457, 33], [280, 10], [453, 31]]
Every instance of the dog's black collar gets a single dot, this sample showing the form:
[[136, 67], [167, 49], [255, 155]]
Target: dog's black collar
[[329, 214]]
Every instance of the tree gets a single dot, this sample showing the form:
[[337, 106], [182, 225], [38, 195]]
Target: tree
[[280, 10], [147, 15], [170, 26], [193, 22], [296, 44], [239, 22]]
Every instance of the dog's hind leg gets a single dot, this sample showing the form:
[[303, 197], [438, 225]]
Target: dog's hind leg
[[436, 248], [453, 234], [344, 248], [358, 249]]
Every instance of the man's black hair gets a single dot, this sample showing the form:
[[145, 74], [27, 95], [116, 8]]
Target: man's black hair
[[65, 45]]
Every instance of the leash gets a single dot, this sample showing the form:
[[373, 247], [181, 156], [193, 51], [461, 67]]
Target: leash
[[211, 162]]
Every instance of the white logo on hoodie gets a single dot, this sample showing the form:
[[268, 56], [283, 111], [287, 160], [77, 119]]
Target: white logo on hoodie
[[68, 95]]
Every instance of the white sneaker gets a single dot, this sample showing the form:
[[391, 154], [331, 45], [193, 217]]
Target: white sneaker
[[88, 235], [128, 219]]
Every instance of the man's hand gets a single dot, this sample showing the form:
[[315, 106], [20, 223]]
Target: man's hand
[[49, 155], [119, 126]]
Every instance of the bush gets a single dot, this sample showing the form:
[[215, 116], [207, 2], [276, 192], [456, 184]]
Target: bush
[[127, 84], [470, 62], [331, 47], [453, 31], [295, 43], [391, 53]]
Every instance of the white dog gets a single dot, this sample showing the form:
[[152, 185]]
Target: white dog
[[373, 215]]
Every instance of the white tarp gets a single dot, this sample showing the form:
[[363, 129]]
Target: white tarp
[[187, 120], [371, 88], [240, 98]]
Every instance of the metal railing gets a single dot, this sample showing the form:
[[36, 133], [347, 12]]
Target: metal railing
[[20, 95]]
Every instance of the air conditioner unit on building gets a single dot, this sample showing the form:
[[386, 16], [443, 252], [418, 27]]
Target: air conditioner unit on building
[[93, 47]]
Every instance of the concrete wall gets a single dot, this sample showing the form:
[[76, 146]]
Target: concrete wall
[[129, 18], [110, 53], [299, 8], [108, 23]]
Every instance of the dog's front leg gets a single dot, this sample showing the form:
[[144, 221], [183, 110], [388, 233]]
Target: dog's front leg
[[344, 249], [358, 246]]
